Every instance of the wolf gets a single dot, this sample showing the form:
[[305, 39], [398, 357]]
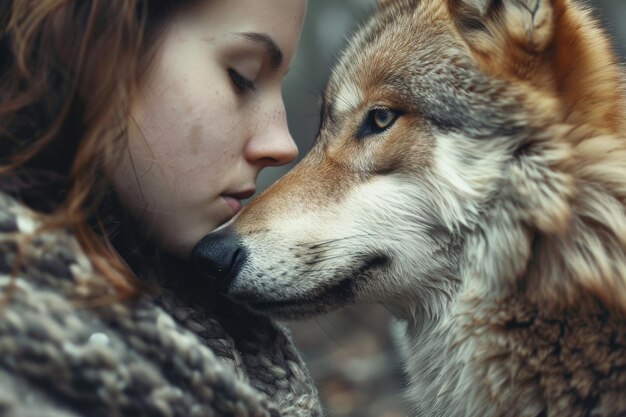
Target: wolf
[[469, 174]]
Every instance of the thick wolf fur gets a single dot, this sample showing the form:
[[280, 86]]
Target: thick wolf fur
[[490, 217]]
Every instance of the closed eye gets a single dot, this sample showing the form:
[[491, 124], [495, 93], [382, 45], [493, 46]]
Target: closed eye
[[241, 83], [377, 120]]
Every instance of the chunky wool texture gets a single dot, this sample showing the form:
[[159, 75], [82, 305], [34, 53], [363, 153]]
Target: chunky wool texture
[[67, 349]]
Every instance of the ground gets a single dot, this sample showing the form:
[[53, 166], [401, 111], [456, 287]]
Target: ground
[[351, 357]]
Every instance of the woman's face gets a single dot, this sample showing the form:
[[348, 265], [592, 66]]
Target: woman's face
[[208, 117]]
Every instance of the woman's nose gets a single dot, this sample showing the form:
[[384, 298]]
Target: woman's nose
[[273, 145]]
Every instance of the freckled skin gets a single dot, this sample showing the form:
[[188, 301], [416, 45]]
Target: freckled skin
[[193, 135], [195, 138]]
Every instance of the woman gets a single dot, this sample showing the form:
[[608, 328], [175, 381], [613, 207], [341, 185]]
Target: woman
[[129, 129]]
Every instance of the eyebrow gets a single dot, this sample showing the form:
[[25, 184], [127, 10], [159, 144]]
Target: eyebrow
[[273, 51]]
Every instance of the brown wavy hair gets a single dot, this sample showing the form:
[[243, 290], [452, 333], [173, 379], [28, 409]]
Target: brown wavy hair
[[68, 70]]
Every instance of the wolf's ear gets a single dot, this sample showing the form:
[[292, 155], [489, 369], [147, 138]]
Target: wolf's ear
[[528, 24]]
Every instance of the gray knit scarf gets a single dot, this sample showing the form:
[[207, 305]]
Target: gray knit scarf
[[62, 353]]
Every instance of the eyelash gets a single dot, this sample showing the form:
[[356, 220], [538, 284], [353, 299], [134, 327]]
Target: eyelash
[[242, 84]]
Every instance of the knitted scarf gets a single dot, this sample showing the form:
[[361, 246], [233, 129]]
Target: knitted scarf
[[173, 353]]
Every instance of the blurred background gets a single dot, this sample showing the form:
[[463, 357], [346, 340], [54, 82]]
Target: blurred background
[[349, 352]]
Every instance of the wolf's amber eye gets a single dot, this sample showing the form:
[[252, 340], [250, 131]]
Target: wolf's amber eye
[[377, 121], [383, 118]]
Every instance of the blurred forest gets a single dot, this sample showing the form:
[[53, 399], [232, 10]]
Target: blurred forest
[[349, 352]]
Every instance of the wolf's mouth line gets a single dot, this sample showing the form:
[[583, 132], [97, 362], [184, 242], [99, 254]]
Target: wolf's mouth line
[[333, 291], [337, 293]]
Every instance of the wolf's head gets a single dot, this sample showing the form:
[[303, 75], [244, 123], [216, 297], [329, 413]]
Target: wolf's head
[[444, 145]]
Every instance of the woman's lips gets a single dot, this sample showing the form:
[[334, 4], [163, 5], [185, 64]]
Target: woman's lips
[[233, 203], [233, 199]]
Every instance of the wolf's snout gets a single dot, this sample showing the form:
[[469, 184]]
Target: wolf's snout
[[219, 256]]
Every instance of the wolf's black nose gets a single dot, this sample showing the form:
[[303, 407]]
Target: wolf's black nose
[[220, 256]]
